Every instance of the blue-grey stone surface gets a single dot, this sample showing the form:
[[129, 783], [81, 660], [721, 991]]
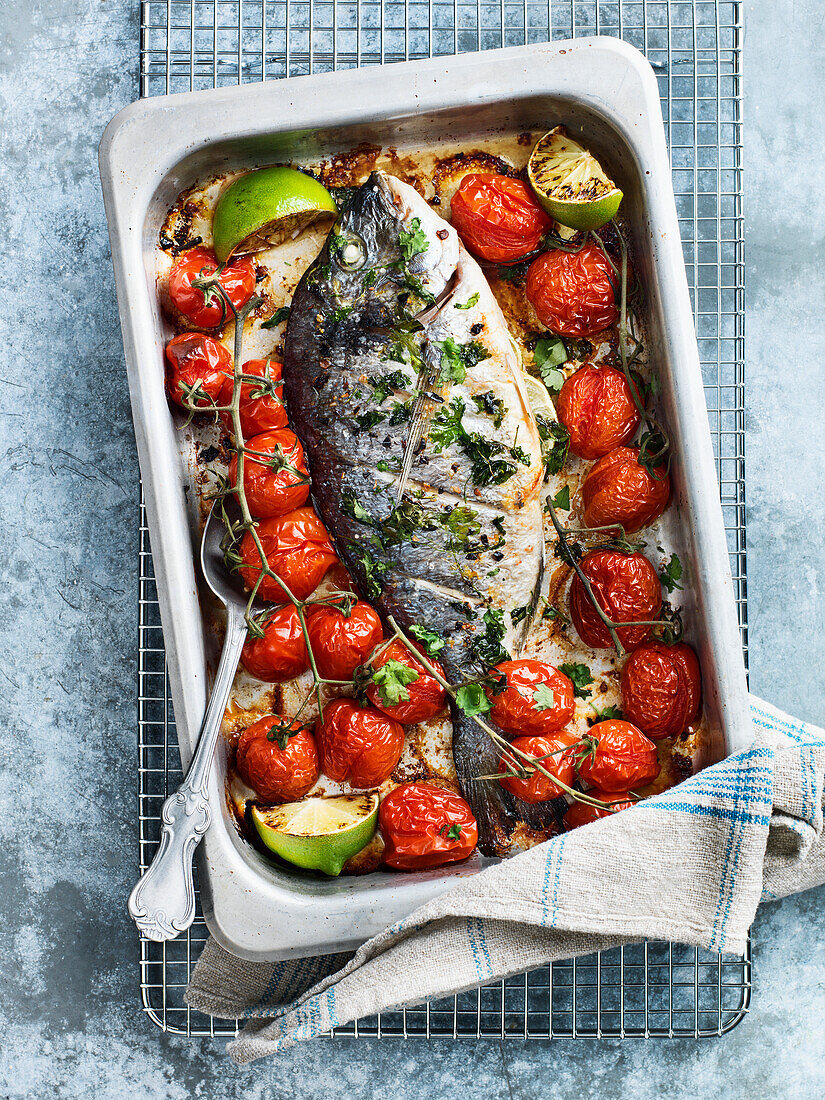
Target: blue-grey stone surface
[[71, 1024]]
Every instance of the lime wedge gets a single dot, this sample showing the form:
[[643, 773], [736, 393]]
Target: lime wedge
[[319, 833], [266, 207], [570, 184]]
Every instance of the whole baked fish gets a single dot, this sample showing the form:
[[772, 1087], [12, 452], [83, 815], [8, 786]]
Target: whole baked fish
[[395, 336]]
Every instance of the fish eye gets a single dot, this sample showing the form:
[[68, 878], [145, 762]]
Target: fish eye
[[352, 254]]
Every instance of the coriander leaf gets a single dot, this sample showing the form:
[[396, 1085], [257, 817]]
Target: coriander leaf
[[457, 359], [277, 317], [471, 301], [471, 698], [488, 648], [413, 241], [369, 419], [428, 638], [354, 508], [611, 712], [543, 698], [581, 676], [487, 402], [555, 443], [391, 680], [549, 352], [562, 499], [672, 574]]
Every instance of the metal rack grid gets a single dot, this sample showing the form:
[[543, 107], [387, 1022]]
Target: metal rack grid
[[648, 989]]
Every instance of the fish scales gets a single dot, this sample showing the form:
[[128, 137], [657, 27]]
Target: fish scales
[[463, 547]]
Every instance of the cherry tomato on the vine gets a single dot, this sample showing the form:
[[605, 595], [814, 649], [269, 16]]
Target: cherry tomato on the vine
[[497, 217], [618, 757], [358, 744], [405, 699], [297, 550], [277, 774], [261, 406], [572, 292], [282, 652], [627, 590], [596, 406], [661, 688], [425, 826], [618, 489], [198, 366], [582, 813], [278, 483], [538, 699], [237, 280], [341, 642], [553, 752]]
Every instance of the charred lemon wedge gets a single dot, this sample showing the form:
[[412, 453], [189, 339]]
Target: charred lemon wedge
[[319, 833], [570, 184], [265, 207]]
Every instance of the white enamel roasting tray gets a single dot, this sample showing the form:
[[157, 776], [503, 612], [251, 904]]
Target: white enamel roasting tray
[[155, 148]]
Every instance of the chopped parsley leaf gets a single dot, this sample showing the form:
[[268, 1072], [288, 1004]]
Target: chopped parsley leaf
[[581, 676]]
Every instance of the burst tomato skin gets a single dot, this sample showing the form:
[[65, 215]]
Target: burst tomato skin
[[297, 549], [426, 696], [415, 819], [618, 490], [596, 406], [572, 292], [497, 217], [276, 774], [258, 412], [237, 279], [194, 359], [340, 642], [627, 589], [661, 688], [515, 709], [358, 744], [272, 492], [282, 652], [582, 814], [538, 787], [621, 758]]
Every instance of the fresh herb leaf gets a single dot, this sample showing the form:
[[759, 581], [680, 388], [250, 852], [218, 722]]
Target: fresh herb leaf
[[486, 467], [581, 676], [519, 613], [354, 508], [671, 574], [487, 402], [413, 241], [387, 465], [374, 571], [391, 679], [609, 713], [472, 699], [384, 385], [277, 317], [552, 613], [400, 413], [550, 353], [428, 638], [369, 419], [543, 698], [562, 499], [457, 359], [487, 648], [404, 520], [555, 443], [471, 301]]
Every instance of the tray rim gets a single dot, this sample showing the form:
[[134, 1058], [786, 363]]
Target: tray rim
[[128, 190]]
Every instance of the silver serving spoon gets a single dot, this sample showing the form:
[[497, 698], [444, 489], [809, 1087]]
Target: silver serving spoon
[[162, 903]]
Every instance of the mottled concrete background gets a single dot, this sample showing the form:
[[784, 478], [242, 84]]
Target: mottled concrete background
[[71, 1025]]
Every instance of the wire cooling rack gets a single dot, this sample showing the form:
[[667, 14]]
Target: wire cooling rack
[[649, 989]]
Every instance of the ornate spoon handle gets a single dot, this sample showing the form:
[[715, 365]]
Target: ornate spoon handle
[[162, 903]]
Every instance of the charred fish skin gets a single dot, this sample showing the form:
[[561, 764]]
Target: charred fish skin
[[461, 551]]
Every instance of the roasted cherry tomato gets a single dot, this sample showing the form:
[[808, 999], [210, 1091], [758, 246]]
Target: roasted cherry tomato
[[417, 700], [554, 753], [627, 589], [618, 490], [497, 217], [282, 652], [277, 484], [237, 280], [596, 406], [572, 292], [358, 744], [277, 758], [618, 757], [425, 826], [261, 406], [297, 549], [198, 366], [661, 688], [538, 698], [580, 813], [342, 642]]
